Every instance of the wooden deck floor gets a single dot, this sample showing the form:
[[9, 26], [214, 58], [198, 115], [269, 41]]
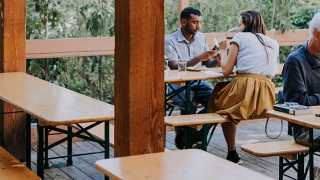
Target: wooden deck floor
[[248, 132]]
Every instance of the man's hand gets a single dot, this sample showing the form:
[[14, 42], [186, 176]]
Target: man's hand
[[205, 56]]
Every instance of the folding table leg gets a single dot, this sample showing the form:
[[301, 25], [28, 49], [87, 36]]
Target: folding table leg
[[106, 143], [69, 144], [40, 170], [28, 141], [106, 140], [311, 151]]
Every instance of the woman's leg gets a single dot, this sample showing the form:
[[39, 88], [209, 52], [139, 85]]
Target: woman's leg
[[229, 132]]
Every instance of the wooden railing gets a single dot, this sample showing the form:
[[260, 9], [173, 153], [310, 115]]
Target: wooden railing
[[104, 46]]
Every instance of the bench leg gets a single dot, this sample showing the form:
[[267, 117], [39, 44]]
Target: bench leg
[[281, 173], [28, 141], [69, 144], [300, 173], [46, 150], [40, 170], [206, 137], [311, 151]]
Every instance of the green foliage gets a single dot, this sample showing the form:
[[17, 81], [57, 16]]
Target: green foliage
[[94, 76]]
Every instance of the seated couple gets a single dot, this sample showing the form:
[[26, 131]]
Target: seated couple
[[251, 93]]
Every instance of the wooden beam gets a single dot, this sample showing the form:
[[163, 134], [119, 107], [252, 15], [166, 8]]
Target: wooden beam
[[12, 58], [139, 77], [183, 4], [104, 46]]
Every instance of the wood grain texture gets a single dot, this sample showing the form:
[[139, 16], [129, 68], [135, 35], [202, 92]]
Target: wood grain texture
[[12, 58], [104, 46], [50, 103], [179, 164], [11, 168], [308, 120], [276, 148], [139, 79], [194, 119], [70, 47]]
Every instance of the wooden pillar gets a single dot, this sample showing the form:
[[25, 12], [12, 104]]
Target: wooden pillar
[[12, 58], [183, 4], [139, 77]]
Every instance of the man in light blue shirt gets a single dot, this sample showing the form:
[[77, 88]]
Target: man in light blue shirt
[[188, 44]]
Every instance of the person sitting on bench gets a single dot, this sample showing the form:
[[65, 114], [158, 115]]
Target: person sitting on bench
[[251, 93], [301, 77]]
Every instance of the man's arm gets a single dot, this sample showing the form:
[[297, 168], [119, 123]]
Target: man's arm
[[203, 57], [294, 89]]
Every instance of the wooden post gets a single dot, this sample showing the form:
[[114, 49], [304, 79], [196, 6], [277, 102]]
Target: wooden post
[[183, 4], [139, 77], [12, 58]]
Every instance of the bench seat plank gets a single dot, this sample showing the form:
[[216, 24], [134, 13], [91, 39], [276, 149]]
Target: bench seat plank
[[11, 168], [275, 148], [194, 119]]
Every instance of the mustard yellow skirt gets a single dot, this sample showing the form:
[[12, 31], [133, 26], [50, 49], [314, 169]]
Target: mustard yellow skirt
[[247, 96]]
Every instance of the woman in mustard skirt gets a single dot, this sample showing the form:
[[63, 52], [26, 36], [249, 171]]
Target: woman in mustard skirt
[[251, 93]]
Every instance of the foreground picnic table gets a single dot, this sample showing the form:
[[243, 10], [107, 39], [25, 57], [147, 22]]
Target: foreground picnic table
[[308, 121], [52, 106], [180, 164]]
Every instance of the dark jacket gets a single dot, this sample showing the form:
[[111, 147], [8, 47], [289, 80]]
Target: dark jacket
[[301, 78]]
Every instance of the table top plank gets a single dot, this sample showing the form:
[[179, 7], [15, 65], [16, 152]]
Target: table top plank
[[50, 103], [180, 164], [308, 120], [175, 76]]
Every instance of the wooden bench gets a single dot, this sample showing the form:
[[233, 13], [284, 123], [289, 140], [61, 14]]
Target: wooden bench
[[194, 119], [11, 168], [289, 152], [208, 120]]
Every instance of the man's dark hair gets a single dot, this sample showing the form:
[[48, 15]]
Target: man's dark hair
[[186, 13]]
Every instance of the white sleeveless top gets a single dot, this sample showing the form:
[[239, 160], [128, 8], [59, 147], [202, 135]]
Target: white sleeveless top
[[255, 58]]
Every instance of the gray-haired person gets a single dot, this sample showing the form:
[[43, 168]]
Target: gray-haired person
[[301, 77]]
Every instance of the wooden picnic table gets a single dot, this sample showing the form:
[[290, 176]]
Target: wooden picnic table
[[180, 164], [49, 103], [175, 76], [53, 105], [308, 121]]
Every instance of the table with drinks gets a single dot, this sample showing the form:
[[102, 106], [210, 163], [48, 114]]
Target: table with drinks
[[186, 77]]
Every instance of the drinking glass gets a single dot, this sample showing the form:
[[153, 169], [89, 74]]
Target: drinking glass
[[166, 64], [182, 65]]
